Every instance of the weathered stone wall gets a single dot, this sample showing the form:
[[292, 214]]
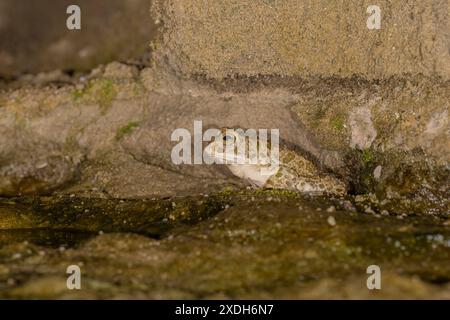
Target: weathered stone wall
[[111, 135], [306, 38], [34, 36]]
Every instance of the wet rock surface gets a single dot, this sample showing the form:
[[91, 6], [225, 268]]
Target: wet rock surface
[[253, 244]]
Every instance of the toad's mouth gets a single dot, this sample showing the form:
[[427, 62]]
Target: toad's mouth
[[236, 157], [267, 166]]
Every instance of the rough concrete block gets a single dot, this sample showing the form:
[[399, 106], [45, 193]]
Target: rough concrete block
[[306, 38]]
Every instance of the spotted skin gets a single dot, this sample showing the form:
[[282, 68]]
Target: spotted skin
[[302, 175], [295, 172]]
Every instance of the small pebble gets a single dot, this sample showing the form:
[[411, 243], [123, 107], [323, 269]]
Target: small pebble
[[331, 221], [369, 210], [17, 256], [377, 172], [348, 206]]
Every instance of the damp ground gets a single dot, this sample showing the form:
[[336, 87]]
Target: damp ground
[[248, 244]]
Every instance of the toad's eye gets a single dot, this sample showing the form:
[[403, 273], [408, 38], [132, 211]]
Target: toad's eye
[[228, 138]]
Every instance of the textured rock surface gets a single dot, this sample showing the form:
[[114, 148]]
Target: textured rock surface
[[86, 175], [111, 131], [111, 134], [306, 38], [34, 37], [255, 245]]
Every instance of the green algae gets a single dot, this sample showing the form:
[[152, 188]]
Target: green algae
[[409, 183], [77, 95], [126, 129], [338, 123], [107, 93], [99, 91]]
